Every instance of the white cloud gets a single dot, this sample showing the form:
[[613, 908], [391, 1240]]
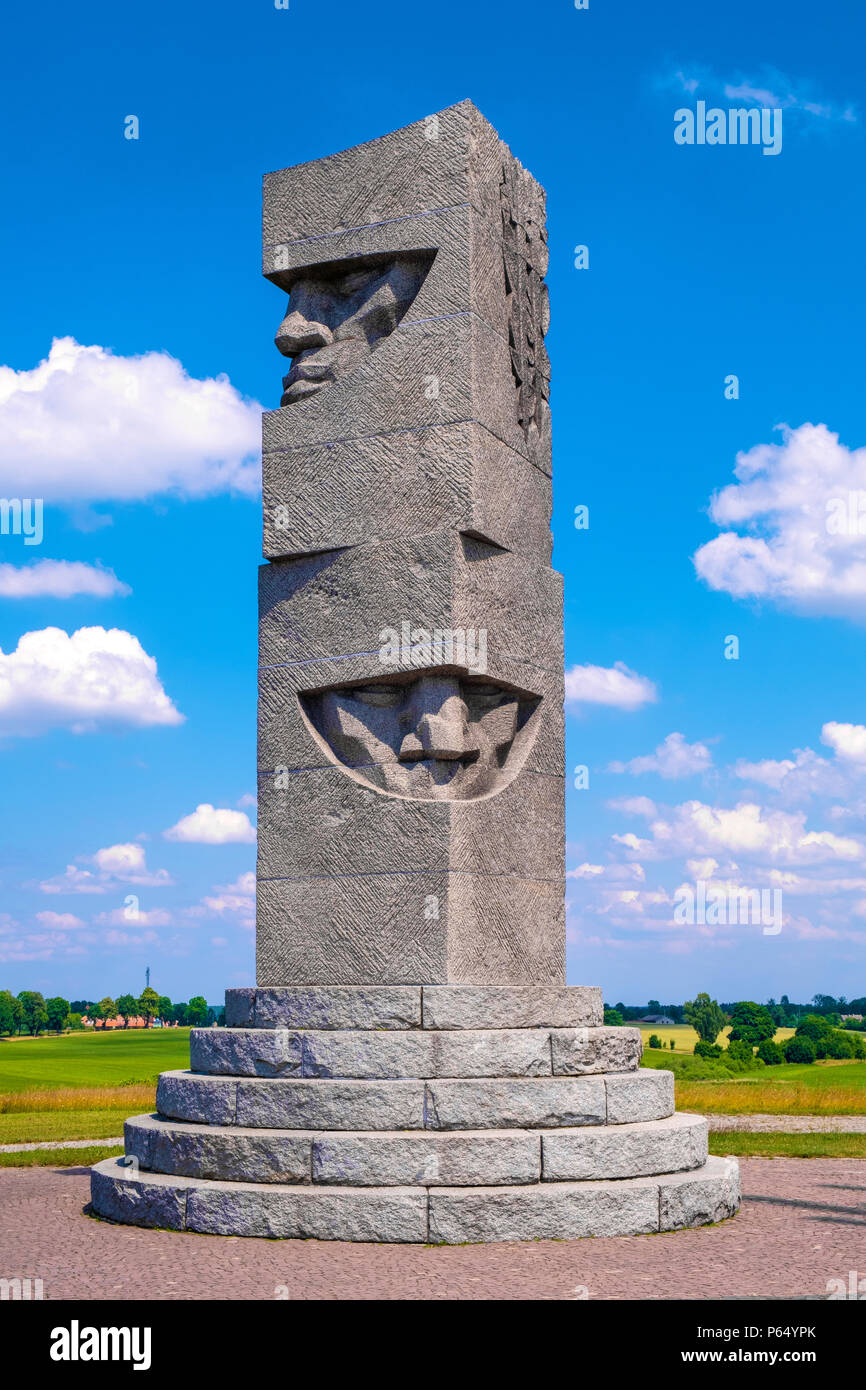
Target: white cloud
[[237, 900], [116, 864], [769, 87], [62, 921], [209, 825], [80, 682], [86, 425], [609, 685], [848, 742], [134, 917], [248, 799], [672, 759], [586, 871], [796, 501], [699, 830], [635, 806], [60, 579]]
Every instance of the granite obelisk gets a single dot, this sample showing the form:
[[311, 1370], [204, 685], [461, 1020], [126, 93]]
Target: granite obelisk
[[411, 1065]]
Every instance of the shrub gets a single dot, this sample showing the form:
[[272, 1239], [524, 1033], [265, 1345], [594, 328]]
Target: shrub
[[741, 1051], [752, 1023], [613, 1018], [655, 1040], [673, 1044], [815, 1027], [707, 1049], [799, 1049], [770, 1053]]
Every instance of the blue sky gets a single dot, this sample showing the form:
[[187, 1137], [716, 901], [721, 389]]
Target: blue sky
[[704, 262]]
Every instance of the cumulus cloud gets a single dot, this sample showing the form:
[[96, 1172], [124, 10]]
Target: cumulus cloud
[[211, 825], [62, 921], [91, 678], [802, 504], [60, 579], [672, 759], [235, 900], [134, 917], [116, 864], [608, 685], [86, 425], [771, 836], [848, 742]]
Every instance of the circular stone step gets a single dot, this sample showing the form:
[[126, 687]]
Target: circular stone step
[[537, 1211], [456, 1158], [365, 1054], [551, 1102]]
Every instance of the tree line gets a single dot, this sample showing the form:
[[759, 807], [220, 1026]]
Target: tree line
[[784, 1014], [29, 1012]]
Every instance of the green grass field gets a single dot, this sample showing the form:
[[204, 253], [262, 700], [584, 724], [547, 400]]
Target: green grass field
[[684, 1036], [788, 1145], [118, 1058]]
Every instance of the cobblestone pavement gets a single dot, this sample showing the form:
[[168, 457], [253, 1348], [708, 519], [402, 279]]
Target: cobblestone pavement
[[789, 1124], [803, 1222]]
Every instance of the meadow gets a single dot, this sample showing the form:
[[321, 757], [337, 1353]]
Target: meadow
[[684, 1036]]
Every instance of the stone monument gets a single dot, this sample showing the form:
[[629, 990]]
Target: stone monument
[[411, 1065]]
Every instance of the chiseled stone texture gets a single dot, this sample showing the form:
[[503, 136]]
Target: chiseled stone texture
[[564, 1211], [388, 1215], [219, 1153], [207, 1100], [326, 1105], [455, 477], [245, 1051], [518, 1006], [625, 1151], [378, 928], [425, 1159], [695, 1199], [321, 1006], [119, 1194], [578, 1051], [383, 1055], [633, 1097], [531, 1103]]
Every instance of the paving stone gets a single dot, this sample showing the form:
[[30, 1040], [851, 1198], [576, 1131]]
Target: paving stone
[[538, 1103], [625, 1151], [578, 1051]]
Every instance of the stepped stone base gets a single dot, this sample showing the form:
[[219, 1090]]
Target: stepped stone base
[[404, 1114]]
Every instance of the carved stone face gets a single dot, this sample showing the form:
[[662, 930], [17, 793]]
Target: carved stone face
[[438, 735], [338, 314]]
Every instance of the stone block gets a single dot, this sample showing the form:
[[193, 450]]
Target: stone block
[[117, 1193], [325, 1105], [392, 1215], [342, 1006], [625, 1151], [638, 1096], [219, 1153], [240, 1008], [696, 1199], [206, 1100], [426, 1160], [245, 1051], [410, 928], [560, 1211], [523, 1006], [374, 488], [536, 1103], [581, 1050], [384, 1055]]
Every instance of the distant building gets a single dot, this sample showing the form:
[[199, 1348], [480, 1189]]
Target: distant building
[[655, 1018]]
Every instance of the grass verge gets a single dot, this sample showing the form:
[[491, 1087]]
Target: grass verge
[[745, 1145], [60, 1158]]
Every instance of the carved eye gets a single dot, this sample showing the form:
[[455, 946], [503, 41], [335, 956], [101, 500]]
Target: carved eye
[[379, 696]]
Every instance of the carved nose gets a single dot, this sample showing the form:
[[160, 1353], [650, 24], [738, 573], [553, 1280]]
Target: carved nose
[[297, 334], [441, 731]]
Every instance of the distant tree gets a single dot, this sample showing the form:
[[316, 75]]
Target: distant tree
[[34, 1015], [165, 1008], [799, 1049], [814, 1026], [127, 1007], [107, 1008], [653, 1007], [705, 1016], [178, 1014], [81, 1006], [739, 1050], [824, 1003], [613, 1018], [673, 1044], [770, 1053], [707, 1049], [148, 1005], [95, 1014], [7, 1011], [197, 1011], [57, 1010], [655, 1040], [751, 1023], [73, 1021]]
